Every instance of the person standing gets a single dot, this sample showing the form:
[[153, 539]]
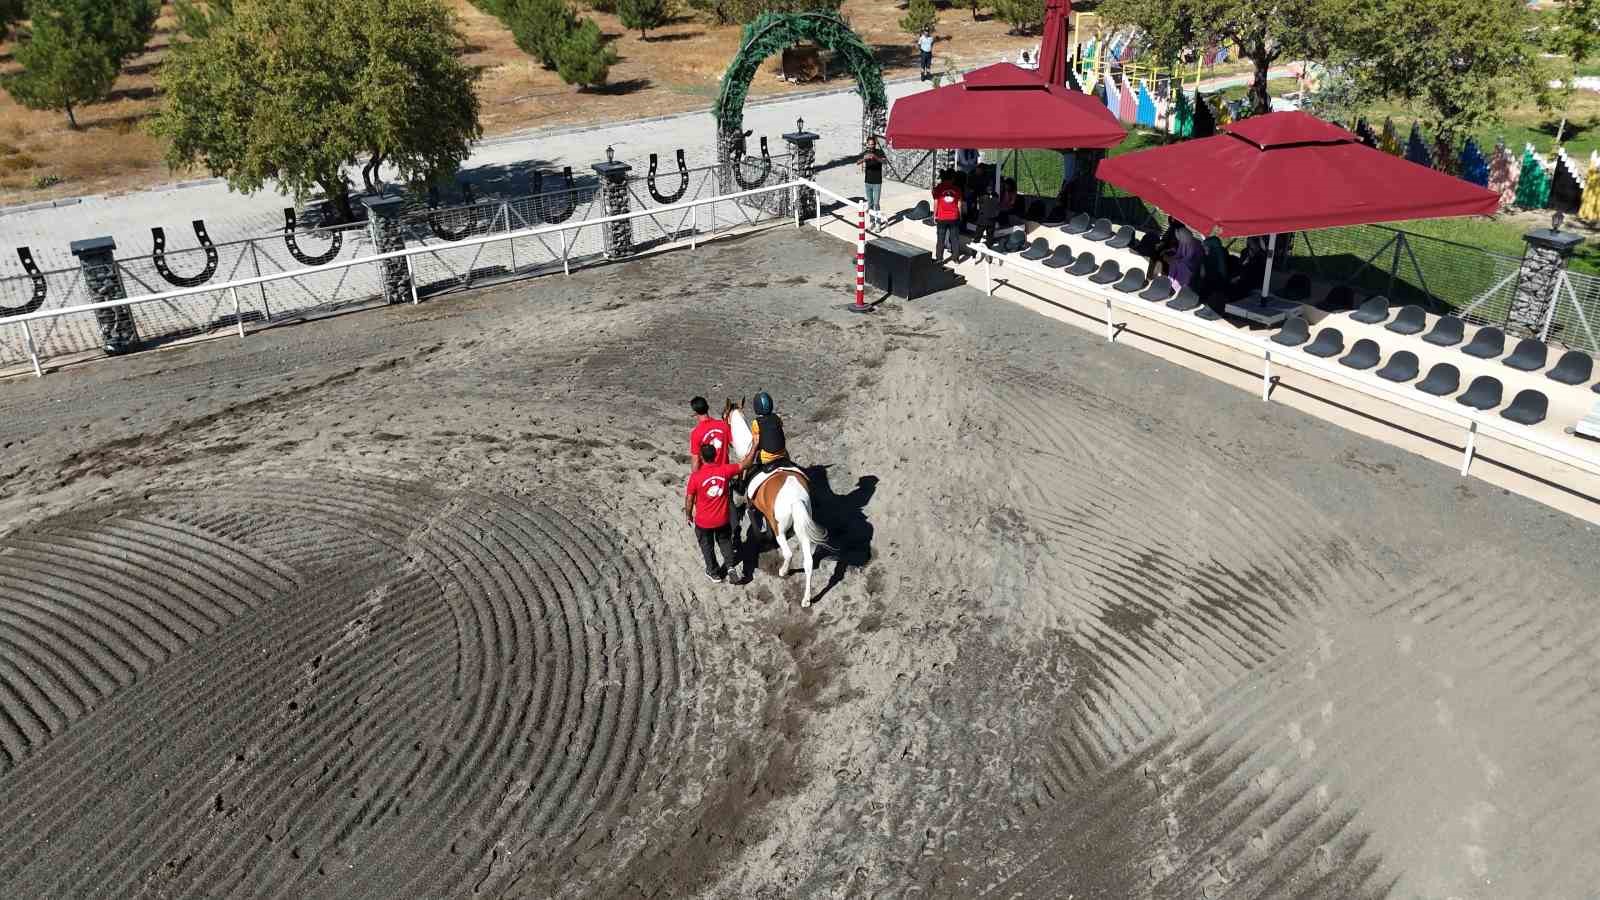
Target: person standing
[[705, 506], [925, 48], [947, 213], [871, 164], [707, 431]]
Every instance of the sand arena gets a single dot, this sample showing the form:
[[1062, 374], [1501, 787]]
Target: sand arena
[[401, 604]]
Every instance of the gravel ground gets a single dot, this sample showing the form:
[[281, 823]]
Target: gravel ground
[[400, 603]]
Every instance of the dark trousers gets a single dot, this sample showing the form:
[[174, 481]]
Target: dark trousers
[[949, 237], [986, 231], [723, 538]]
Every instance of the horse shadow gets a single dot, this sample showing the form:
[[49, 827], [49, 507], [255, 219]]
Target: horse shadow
[[843, 516]]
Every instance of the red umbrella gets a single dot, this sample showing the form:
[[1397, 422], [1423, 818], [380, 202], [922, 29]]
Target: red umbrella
[[1289, 171], [1002, 106], [1006, 106]]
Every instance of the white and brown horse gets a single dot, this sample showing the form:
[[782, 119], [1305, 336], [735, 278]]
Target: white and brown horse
[[783, 497]]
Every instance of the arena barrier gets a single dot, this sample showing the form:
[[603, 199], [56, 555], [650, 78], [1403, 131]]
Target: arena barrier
[[416, 271]]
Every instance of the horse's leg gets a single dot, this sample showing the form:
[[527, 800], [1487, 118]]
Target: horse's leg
[[784, 516]]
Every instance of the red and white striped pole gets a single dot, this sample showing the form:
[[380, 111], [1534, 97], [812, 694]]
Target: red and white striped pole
[[861, 259]]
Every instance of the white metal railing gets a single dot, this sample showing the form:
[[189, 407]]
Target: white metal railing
[[1269, 352], [232, 287]]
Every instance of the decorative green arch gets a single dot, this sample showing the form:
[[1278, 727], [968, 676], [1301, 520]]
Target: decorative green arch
[[770, 33]]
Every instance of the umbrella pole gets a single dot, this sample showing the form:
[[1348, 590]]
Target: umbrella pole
[[1266, 280]]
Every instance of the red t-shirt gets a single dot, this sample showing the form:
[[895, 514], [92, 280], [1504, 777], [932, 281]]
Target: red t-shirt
[[716, 432], [709, 488], [946, 202]]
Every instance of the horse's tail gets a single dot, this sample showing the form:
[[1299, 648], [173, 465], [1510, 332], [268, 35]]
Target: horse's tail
[[807, 526]]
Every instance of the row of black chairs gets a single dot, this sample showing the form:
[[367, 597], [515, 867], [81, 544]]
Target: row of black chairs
[[1528, 407], [1575, 367]]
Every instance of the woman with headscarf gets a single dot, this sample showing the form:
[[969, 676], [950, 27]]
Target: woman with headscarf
[[1183, 261]]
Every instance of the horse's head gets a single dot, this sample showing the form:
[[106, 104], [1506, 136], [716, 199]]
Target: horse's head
[[728, 406]]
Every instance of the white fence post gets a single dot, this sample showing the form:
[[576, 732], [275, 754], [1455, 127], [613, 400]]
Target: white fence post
[[238, 314], [988, 276], [411, 276], [1111, 329], [33, 353], [1266, 375], [794, 203], [1472, 440]]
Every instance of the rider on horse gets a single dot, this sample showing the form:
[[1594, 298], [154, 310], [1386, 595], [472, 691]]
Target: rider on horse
[[768, 450]]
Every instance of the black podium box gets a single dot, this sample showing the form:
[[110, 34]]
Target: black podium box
[[904, 270]]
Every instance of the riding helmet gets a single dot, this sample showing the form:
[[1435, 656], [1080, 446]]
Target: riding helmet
[[763, 404]]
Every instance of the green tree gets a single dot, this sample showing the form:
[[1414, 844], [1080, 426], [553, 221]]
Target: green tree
[[584, 59], [642, 15], [196, 18], [539, 27], [75, 50], [295, 91], [1265, 30], [976, 6], [1024, 16], [920, 16], [11, 12], [1461, 60], [1575, 32], [728, 12]]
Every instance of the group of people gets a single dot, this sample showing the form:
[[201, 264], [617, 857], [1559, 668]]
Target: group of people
[[713, 478], [966, 196], [1207, 267]]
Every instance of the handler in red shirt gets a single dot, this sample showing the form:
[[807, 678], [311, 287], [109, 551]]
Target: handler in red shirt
[[705, 505], [707, 431], [947, 218]]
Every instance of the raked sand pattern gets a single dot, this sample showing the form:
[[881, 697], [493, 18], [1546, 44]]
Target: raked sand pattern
[[400, 604]]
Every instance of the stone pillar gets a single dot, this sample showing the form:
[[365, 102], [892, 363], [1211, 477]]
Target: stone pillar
[[97, 257], [1543, 261], [803, 146], [614, 194], [387, 233]]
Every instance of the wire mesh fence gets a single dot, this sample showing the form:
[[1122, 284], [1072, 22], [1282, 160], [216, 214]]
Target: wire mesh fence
[[443, 266]]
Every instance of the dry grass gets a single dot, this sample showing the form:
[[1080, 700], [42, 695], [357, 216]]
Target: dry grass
[[675, 70]]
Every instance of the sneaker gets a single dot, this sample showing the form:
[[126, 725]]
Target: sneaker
[[714, 578]]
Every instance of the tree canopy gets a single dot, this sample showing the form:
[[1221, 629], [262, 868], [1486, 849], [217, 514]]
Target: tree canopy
[[196, 18], [643, 15], [75, 49], [11, 12], [1460, 60], [294, 91]]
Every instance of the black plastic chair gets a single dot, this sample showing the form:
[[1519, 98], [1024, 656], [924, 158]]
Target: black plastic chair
[[1037, 250], [1339, 299], [1132, 281], [1077, 225], [1486, 344], [1329, 342], [1527, 408], [1101, 231], [1158, 291], [1185, 300], [1485, 392], [1015, 242], [1443, 379], [1056, 216], [1204, 311], [1061, 258], [1530, 356], [1123, 239], [1085, 265], [1574, 366], [1447, 332], [1400, 368], [919, 212], [1297, 288], [1363, 355], [1295, 331], [1410, 320], [1375, 310], [1110, 271]]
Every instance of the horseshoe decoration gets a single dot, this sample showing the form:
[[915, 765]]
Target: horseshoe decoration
[[559, 215], [294, 248], [39, 286], [159, 236], [766, 169], [683, 181]]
